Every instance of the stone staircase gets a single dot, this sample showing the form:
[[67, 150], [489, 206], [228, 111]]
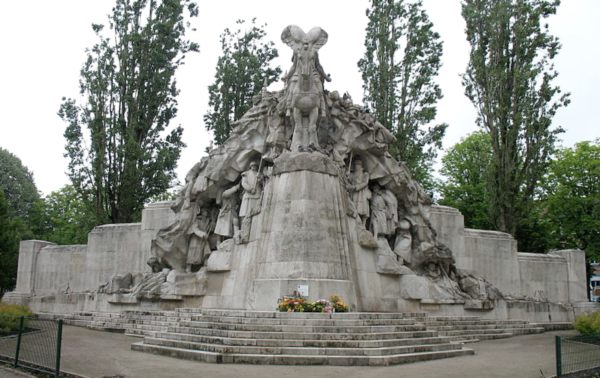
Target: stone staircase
[[267, 337], [468, 329], [255, 337]]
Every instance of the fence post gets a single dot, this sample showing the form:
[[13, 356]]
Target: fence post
[[558, 357], [58, 345], [21, 322]]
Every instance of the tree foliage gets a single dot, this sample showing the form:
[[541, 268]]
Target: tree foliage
[[242, 70], [509, 79], [571, 199], [401, 62], [119, 149], [16, 181], [10, 234], [65, 217], [466, 167]]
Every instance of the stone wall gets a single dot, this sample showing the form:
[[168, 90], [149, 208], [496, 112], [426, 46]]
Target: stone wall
[[60, 269], [114, 249], [558, 276], [61, 279]]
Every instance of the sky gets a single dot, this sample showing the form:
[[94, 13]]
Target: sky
[[44, 44]]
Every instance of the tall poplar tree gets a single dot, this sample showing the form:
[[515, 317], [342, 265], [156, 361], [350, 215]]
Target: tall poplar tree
[[401, 62], [242, 70], [509, 79], [119, 148]]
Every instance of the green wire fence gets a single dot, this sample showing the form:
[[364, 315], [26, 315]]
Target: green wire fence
[[576, 355], [32, 343]]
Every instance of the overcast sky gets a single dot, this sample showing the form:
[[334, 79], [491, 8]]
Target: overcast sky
[[43, 44]]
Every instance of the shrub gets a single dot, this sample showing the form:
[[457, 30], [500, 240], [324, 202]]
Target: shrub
[[9, 316], [588, 325]]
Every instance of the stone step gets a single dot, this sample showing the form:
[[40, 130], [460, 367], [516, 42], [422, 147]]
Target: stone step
[[296, 359], [302, 335], [473, 322], [453, 318], [461, 332], [299, 342], [164, 323], [305, 321], [141, 329], [305, 315], [526, 331], [479, 337], [555, 326], [300, 328], [476, 326], [302, 351], [139, 313], [511, 331]]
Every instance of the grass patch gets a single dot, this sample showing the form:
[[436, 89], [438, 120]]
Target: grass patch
[[9, 317]]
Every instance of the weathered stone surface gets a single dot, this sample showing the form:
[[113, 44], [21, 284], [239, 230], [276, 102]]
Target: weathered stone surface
[[220, 260], [304, 161], [188, 284], [366, 239], [388, 262]]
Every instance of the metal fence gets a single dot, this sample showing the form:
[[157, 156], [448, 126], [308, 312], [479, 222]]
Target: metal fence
[[34, 344], [576, 355]]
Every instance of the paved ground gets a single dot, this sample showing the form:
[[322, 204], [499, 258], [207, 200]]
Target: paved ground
[[8, 372], [102, 354]]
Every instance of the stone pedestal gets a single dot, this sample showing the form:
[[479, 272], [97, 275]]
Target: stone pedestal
[[304, 233]]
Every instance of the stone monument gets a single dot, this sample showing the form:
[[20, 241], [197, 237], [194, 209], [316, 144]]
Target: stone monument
[[304, 194]]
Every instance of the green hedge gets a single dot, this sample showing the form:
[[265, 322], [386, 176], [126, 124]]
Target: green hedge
[[588, 325], [9, 316]]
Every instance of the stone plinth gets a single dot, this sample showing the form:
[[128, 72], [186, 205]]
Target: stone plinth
[[304, 232]]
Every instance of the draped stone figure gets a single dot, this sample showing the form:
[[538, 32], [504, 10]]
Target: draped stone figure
[[199, 247], [379, 225], [360, 191], [227, 221], [251, 187]]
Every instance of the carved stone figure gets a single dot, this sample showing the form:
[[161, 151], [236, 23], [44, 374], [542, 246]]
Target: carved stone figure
[[199, 247], [276, 140], [250, 184], [150, 285], [360, 191], [391, 214], [379, 225], [403, 241], [304, 95], [155, 265], [228, 221], [119, 283]]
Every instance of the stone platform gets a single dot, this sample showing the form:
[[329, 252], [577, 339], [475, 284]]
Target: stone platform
[[267, 337]]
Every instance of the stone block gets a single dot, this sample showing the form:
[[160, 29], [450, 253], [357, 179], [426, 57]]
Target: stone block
[[219, 261]]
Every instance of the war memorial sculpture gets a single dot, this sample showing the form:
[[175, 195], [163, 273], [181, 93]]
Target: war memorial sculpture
[[303, 198]]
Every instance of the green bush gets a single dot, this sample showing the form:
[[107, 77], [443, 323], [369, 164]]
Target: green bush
[[588, 325], [9, 316]]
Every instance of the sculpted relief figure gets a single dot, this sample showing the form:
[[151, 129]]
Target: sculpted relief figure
[[379, 213], [199, 247], [391, 214], [360, 191], [251, 187], [250, 200], [304, 95], [228, 221]]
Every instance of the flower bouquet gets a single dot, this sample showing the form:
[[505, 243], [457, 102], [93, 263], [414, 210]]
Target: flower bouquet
[[299, 304]]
